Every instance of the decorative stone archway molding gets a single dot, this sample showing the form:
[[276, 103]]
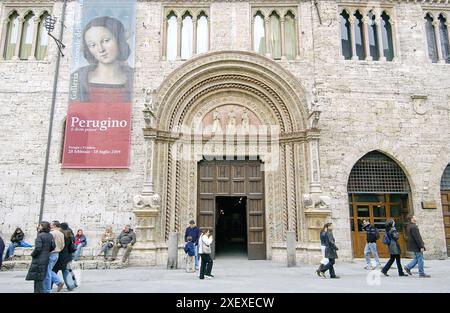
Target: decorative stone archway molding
[[272, 95], [230, 69], [401, 154]]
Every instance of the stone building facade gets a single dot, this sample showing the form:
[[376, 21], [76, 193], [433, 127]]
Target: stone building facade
[[330, 112]]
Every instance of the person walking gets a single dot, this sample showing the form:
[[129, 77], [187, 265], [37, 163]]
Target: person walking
[[80, 242], [44, 244], [126, 240], [372, 235], [64, 258], [107, 242], [324, 260], [69, 272], [391, 239], [330, 253], [16, 241], [204, 250], [193, 231], [2, 248], [416, 245], [51, 277]]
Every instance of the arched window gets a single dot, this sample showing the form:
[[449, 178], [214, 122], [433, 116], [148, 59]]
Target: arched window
[[359, 35], [186, 37], [275, 36], [26, 42], [11, 36], [378, 190], [346, 41], [386, 33], [172, 37], [431, 39], [290, 36], [259, 41], [443, 33], [42, 39], [202, 33], [373, 38]]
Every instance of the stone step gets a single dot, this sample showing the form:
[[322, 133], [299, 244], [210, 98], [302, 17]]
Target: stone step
[[88, 253], [21, 265]]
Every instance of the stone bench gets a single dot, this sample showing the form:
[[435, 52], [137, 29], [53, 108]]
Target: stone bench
[[22, 259]]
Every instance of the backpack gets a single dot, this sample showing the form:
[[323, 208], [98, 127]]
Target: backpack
[[386, 239]]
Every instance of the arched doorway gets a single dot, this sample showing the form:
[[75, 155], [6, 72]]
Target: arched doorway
[[445, 199], [223, 106], [378, 189]]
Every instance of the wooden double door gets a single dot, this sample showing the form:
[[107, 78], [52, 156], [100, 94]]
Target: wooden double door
[[377, 208], [234, 178], [445, 197]]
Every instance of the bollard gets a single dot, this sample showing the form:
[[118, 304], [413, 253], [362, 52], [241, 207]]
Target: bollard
[[172, 260], [291, 244]]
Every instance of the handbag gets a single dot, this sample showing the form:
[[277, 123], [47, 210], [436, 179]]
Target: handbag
[[206, 249]]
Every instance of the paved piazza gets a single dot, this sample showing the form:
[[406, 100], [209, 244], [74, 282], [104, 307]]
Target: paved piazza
[[243, 276]]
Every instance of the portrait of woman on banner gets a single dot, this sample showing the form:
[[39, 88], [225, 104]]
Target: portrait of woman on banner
[[108, 78]]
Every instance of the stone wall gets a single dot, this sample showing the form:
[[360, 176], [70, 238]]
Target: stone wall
[[366, 105]]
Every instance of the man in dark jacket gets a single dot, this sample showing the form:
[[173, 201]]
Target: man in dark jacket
[[416, 245], [126, 240], [193, 231], [40, 257], [372, 236], [2, 248]]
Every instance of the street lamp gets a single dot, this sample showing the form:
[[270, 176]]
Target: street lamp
[[49, 24]]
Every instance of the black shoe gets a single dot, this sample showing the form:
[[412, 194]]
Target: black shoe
[[336, 277], [202, 277], [407, 270], [402, 275], [210, 275], [318, 273], [424, 276], [385, 274]]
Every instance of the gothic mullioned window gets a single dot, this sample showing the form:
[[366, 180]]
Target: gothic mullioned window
[[275, 33], [186, 33], [367, 35], [24, 36], [438, 41]]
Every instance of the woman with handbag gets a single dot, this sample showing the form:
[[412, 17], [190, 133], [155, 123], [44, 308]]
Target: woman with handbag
[[391, 239], [204, 250], [65, 257]]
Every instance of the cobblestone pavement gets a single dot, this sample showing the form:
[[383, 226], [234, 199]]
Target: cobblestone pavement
[[240, 275]]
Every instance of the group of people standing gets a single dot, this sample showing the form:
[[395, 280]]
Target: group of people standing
[[198, 244], [53, 251], [391, 237]]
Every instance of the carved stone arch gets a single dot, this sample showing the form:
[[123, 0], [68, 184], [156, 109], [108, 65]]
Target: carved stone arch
[[260, 12], [290, 11], [432, 15], [230, 97], [42, 13], [228, 69], [187, 12], [402, 156]]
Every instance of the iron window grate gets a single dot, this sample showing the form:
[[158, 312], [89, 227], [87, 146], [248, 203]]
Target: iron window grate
[[376, 172], [445, 181]]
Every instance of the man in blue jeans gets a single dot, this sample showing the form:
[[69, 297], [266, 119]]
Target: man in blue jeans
[[194, 232], [52, 277], [416, 245], [372, 236]]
